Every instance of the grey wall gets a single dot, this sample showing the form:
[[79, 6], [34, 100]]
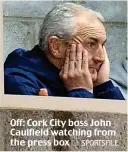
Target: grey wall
[[23, 19]]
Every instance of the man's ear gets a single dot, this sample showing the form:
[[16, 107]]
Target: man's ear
[[54, 46]]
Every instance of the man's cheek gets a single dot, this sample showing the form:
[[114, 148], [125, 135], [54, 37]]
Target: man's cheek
[[90, 59]]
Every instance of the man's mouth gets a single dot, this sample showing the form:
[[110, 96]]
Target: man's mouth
[[96, 68]]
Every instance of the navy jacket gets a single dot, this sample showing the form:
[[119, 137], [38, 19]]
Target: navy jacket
[[26, 72]]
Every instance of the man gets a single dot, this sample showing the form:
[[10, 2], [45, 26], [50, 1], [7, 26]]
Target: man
[[70, 60]]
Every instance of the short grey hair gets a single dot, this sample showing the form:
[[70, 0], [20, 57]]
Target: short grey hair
[[61, 22]]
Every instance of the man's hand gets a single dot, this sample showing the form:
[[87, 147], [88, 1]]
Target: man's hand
[[75, 72], [103, 73]]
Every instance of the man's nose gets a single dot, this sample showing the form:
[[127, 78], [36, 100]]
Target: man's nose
[[100, 54]]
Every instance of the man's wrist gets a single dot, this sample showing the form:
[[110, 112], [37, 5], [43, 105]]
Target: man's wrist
[[100, 82]]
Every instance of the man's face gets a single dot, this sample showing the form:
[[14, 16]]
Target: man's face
[[92, 36]]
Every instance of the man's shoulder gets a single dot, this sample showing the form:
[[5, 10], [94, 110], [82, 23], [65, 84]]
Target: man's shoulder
[[18, 55], [23, 62], [14, 57], [19, 51]]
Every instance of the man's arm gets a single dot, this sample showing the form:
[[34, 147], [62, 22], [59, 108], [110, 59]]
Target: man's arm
[[108, 91]]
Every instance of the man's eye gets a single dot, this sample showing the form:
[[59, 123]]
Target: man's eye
[[91, 44]]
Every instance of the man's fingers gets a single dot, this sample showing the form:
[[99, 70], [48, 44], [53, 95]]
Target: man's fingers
[[66, 64], [85, 60], [72, 56], [79, 57], [106, 55]]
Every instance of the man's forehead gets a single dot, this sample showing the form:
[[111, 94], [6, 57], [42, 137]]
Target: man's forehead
[[89, 27], [95, 28]]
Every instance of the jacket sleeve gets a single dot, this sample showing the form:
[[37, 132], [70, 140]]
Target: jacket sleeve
[[108, 91], [18, 85], [80, 93]]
